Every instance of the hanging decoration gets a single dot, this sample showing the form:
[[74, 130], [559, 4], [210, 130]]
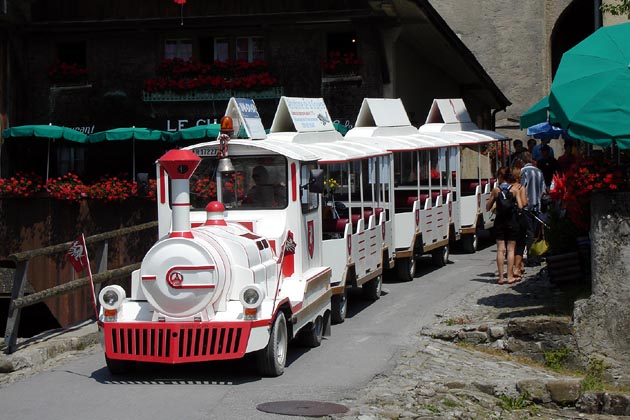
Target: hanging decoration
[[181, 4]]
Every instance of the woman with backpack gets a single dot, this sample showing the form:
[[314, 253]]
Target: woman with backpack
[[505, 223]]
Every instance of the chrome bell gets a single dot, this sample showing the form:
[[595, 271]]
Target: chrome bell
[[225, 165]]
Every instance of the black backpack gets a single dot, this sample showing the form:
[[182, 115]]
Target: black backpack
[[506, 202]]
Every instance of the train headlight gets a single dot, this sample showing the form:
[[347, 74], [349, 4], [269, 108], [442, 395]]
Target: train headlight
[[111, 297], [251, 296]]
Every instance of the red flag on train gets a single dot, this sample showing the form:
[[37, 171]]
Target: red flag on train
[[78, 257], [77, 254]]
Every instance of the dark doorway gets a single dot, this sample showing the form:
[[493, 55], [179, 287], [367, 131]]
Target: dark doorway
[[574, 24]]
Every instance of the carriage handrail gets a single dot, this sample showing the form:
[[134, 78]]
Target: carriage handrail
[[21, 261]]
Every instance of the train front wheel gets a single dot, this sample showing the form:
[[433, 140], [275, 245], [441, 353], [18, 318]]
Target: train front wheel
[[271, 360]]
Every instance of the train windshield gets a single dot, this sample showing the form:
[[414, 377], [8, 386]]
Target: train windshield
[[258, 182]]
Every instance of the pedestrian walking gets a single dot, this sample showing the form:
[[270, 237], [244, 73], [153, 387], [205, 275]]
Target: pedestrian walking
[[547, 164], [521, 220], [534, 181], [505, 227], [537, 151]]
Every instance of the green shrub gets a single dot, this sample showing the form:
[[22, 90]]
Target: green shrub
[[556, 359]]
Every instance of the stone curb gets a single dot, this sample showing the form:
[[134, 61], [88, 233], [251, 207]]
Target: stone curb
[[38, 350]]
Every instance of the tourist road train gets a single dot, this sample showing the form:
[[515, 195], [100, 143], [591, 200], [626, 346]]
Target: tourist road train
[[261, 235]]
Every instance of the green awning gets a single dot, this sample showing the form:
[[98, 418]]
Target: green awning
[[536, 114]]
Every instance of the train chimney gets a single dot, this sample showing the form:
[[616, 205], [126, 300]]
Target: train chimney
[[214, 214], [180, 164]]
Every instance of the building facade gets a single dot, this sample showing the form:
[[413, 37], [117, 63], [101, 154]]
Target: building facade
[[99, 65]]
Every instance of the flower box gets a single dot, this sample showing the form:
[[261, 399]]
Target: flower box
[[169, 96]]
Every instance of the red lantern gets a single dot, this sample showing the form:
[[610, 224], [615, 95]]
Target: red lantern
[[182, 2]]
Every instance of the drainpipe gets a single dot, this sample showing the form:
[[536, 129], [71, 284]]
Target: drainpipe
[[493, 119]]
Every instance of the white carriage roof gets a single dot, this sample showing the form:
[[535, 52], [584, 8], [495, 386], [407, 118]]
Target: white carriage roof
[[290, 150], [305, 122], [396, 143], [344, 151], [384, 122], [451, 116]]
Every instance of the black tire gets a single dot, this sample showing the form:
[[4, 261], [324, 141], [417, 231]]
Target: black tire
[[406, 268], [271, 360], [440, 256], [339, 307], [373, 288], [311, 335], [470, 242], [119, 367]]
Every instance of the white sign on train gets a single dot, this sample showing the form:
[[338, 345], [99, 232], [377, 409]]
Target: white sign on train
[[309, 114]]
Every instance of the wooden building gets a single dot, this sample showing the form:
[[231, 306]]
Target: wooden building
[[101, 64]]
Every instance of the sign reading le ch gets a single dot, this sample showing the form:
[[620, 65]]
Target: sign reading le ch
[[176, 125]]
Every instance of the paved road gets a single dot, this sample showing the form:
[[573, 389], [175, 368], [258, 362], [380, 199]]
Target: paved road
[[366, 344]]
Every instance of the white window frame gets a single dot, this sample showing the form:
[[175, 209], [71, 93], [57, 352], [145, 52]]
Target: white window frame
[[221, 40], [179, 51], [250, 47]]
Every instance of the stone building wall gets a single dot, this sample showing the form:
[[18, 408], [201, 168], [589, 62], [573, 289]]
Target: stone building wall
[[511, 40], [602, 322]]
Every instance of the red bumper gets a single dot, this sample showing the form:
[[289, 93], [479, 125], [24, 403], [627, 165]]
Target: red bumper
[[175, 342]]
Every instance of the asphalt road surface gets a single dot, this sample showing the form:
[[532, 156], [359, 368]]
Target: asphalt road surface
[[363, 346]]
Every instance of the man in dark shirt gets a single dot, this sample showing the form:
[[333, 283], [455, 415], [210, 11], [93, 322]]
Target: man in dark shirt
[[518, 148], [547, 164]]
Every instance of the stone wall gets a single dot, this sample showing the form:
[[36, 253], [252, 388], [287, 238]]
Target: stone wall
[[602, 322], [512, 41]]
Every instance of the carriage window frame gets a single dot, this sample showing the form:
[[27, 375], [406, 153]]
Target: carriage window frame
[[242, 182], [309, 200]]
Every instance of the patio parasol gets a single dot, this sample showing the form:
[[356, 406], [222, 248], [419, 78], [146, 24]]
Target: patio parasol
[[590, 94], [538, 113], [130, 133], [49, 132], [544, 130]]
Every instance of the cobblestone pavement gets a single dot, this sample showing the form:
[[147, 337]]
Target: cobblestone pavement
[[437, 379]]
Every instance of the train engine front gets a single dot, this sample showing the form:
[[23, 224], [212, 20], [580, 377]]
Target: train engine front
[[201, 294]]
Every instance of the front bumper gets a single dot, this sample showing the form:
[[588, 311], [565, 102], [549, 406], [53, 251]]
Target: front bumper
[[175, 342]]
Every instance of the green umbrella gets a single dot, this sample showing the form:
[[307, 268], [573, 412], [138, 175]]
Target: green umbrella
[[130, 133], [199, 132], [590, 94], [341, 128], [536, 114], [45, 131]]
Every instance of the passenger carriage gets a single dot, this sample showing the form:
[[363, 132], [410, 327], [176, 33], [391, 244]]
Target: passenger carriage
[[356, 233], [449, 120], [422, 182]]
